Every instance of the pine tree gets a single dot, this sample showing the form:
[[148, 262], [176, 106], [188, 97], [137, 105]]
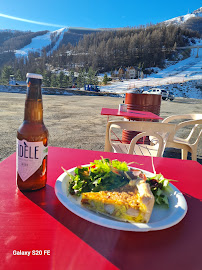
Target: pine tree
[[5, 74], [53, 80], [18, 75], [105, 79], [81, 80], [47, 78], [91, 77], [65, 81], [61, 79]]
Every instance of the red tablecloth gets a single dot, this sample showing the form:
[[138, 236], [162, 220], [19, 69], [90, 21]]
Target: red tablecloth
[[33, 221], [130, 114]]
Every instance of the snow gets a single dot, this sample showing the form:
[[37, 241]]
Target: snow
[[59, 32], [180, 19], [184, 18], [183, 78], [39, 42]]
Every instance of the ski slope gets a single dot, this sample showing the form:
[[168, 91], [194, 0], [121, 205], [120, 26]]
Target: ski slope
[[184, 78], [39, 42]]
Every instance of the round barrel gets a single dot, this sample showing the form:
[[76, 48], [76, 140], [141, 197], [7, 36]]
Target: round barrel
[[141, 102], [128, 135]]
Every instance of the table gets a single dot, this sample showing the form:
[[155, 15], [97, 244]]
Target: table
[[31, 221], [128, 135], [130, 114]]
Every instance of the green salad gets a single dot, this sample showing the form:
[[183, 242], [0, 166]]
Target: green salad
[[160, 188], [100, 175], [106, 174]]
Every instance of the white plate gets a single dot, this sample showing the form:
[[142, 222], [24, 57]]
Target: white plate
[[161, 217]]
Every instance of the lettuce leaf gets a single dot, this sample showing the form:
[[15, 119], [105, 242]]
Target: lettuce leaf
[[160, 188], [100, 175]]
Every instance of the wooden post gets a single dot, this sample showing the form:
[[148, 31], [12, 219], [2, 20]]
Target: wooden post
[[197, 52]]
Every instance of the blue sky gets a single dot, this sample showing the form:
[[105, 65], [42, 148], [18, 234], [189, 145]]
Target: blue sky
[[51, 15]]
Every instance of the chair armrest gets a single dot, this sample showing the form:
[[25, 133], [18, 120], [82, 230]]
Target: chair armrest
[[188, 123], [143, 134], [108, 147]]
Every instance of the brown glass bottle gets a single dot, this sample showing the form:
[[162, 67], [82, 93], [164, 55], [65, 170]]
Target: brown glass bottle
[[32, 139]]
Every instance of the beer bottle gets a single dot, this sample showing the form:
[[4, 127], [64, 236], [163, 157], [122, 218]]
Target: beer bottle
[[32, 139]]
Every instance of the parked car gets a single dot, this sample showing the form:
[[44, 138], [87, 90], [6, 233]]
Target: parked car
[[155, 91], [158, 91], [164, 94], [90, 87], [171, 96]]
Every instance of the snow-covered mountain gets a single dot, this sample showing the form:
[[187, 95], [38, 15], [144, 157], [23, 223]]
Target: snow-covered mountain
[[39, 42], [184, 18], [52, 40]]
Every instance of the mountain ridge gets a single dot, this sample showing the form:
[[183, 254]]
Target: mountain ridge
[[52, 40], [191, 20], [15, 43]]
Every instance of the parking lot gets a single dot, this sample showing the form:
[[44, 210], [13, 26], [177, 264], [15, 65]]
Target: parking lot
[[75, 121]]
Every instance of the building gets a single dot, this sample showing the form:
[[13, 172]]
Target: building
[[131, 72], [121, 73]]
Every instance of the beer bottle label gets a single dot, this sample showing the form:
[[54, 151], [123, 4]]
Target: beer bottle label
[[29, 157]]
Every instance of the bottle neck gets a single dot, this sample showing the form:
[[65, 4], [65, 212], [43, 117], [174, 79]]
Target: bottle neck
[[33, 103]]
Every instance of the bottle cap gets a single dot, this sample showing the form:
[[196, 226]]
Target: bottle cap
[[34, 76]]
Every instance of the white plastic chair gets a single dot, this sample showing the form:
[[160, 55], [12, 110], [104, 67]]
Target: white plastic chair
[[157, 130], [190, 143]]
